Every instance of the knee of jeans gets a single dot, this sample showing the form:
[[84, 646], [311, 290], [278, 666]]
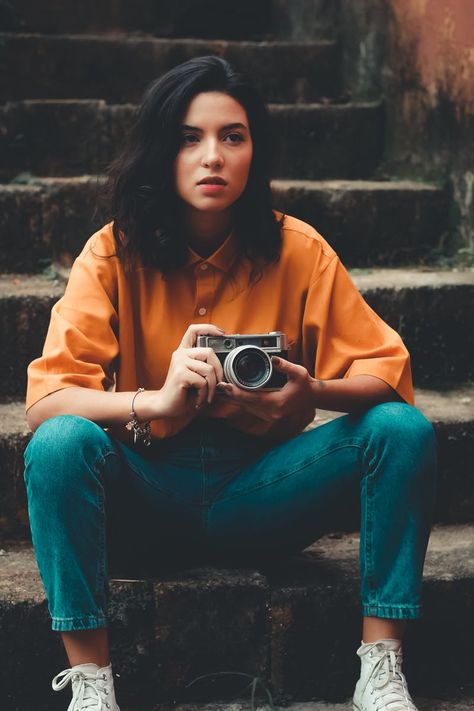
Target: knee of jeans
[[404, 425], [61, 446]]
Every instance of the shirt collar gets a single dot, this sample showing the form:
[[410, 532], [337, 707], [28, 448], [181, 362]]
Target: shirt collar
[[223, 258]]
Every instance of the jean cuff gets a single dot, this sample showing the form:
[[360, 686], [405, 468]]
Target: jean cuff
[[393, 612], [72, 624]]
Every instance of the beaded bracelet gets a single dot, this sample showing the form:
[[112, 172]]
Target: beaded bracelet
[[141, 430]]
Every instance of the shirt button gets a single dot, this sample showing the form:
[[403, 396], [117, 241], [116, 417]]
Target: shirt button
[[202, 311], [203, 267]]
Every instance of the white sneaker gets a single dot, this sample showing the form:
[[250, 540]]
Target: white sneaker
[[382, 686], [92, 688]]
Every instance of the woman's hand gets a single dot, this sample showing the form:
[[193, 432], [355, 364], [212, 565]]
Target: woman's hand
[[295, 400], [192, 375]]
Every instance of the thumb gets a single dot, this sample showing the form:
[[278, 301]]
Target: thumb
[[285, 366]]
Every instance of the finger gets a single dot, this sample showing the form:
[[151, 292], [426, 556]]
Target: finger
[[249, 397], [254, 407], [199, 329], [206, 371], [217, 365], [259, 403], [195, 382], [208, 355], [211, 385], [292, 370], [263, 413], [201, 396]]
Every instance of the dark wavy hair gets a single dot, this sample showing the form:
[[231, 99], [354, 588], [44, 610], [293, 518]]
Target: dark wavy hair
[[139, 193]]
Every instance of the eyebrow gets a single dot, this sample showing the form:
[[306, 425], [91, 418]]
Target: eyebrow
[[227, 127]]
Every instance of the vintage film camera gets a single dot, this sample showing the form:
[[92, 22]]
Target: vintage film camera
[[246, 358]]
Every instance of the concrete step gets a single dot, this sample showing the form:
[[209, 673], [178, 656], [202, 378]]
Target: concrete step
[[371, 222], [367, 222], [281, 622], [55, 138], [46, 219], [118, 67], [451, 412], [430, 310], [300, 19], [463, 704]]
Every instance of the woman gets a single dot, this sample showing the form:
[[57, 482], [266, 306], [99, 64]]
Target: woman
[[194, 248]]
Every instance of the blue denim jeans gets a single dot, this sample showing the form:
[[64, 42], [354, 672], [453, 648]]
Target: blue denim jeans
[[212, 493]]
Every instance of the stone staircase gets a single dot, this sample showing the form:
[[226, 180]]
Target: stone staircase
[[72, 75]]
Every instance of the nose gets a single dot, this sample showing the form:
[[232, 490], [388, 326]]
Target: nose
[[212, 155]]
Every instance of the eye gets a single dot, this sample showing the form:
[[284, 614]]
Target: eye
[[234, 138], [188, 138]]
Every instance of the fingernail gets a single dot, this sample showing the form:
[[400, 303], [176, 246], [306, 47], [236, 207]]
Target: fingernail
[[275, 360]]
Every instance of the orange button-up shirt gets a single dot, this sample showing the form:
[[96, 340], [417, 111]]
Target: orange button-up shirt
[[118, 329]]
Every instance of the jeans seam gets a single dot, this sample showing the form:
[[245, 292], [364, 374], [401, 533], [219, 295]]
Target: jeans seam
[[273, 480], [102, 570], [368, 529]]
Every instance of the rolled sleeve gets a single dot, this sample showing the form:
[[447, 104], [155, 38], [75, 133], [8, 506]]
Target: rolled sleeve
[[344, 337], [81, 344]]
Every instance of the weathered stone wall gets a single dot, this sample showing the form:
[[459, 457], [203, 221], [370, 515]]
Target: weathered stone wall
[[420, 54]]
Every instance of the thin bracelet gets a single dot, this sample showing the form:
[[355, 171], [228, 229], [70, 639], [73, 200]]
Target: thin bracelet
[[141, 430]]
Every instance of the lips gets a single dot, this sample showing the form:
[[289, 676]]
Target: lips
[[212, 180]]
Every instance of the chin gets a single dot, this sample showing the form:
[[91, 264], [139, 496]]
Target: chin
[[213, 206]]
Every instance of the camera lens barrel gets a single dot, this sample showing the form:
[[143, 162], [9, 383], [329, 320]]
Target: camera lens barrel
[[248, 367]]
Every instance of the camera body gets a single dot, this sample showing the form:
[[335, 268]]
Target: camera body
[[246, 358]]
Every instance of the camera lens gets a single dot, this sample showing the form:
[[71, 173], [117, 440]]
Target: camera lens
[[248, 367]]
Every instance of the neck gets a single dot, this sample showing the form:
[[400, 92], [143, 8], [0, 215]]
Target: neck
[[206, 231]]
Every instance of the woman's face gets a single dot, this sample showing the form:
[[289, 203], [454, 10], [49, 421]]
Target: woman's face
[[213, 162]]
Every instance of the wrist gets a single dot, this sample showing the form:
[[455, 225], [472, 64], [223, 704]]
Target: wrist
[[317, 389], [329, 394], [147, 405], [141, 430]]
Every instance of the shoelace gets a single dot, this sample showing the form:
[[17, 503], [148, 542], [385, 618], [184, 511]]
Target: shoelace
[[85, 692], [255, 680], [389, 679]]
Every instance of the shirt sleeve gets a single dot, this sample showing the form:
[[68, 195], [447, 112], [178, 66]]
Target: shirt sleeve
[[343, 336], [81, 343]]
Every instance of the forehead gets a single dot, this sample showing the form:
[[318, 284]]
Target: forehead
[[211, 108]]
